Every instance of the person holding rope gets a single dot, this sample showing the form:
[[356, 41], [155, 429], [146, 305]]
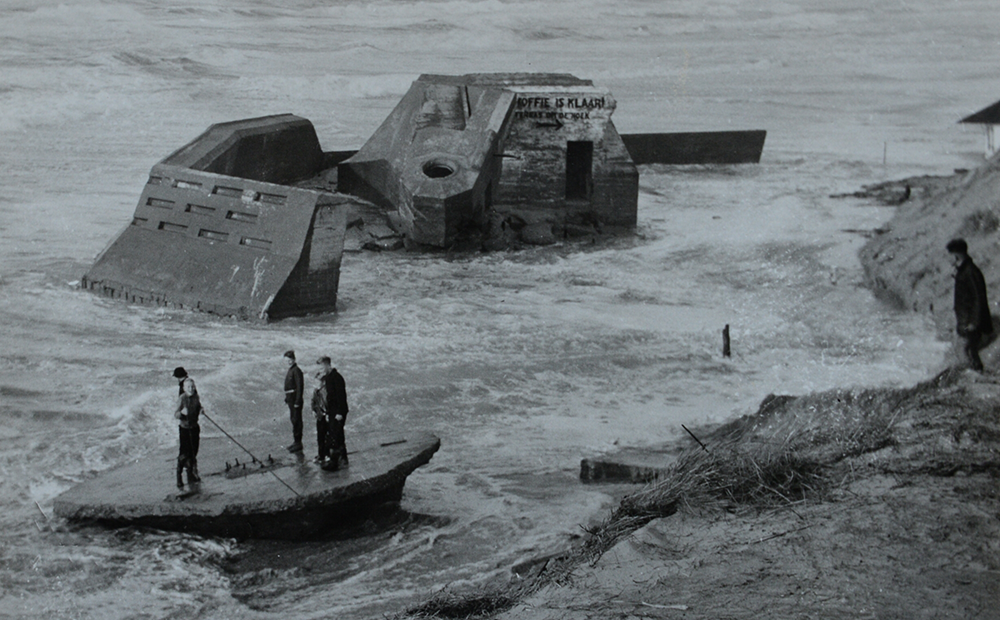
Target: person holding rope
[[187, 412]]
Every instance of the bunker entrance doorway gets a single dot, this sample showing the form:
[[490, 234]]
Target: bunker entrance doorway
[[579, 165]]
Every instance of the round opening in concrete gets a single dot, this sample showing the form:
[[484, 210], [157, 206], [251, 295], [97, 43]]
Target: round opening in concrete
[[438, 169]]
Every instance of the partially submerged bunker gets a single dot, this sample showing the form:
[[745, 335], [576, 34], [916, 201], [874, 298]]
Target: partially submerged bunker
[[220, 228], [538, 149], [251, 218]]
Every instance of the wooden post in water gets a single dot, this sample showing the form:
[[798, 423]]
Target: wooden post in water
[[725, 341]]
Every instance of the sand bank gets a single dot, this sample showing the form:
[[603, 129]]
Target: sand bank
[[878, 502], [875, 503]]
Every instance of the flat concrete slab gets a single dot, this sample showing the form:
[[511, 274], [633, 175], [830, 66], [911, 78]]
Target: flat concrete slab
[[638, 465], [285, 496]]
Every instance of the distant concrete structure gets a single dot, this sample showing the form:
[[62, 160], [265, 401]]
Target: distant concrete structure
[[702, 147], [989, 118], [219, 228], [540, 148]]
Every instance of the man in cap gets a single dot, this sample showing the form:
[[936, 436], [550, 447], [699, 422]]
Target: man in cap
[[187, 412], [336, 406], [294, 391], [972, 311]]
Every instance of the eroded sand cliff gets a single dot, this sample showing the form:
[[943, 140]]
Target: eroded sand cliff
[[879, 503]]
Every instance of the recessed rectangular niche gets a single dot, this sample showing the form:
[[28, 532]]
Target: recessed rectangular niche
[[239, 216], [171, 227], [199, 209], [181, 184], [159, 202], [213, 235], [232, 192], [262, 244], [274, 199]]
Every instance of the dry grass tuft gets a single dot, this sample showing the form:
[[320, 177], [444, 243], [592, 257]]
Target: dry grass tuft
[[742, 476], [779, 456], [447, 604]]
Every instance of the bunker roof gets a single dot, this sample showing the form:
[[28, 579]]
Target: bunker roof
[[989, 115]]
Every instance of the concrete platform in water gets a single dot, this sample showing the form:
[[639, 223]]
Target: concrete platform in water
[[285, 497]]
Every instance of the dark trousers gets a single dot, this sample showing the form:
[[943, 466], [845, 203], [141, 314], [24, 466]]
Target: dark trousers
[[323, 436], [973, 342], [295, 413], [338, 445], [190, 439]]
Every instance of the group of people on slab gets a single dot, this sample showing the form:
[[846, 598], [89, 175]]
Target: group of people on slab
[[329, 405]]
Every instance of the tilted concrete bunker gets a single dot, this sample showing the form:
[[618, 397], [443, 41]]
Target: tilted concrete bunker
[[538, 147], [220, 228]]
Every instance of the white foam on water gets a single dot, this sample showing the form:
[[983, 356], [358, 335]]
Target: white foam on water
[[523, 363]]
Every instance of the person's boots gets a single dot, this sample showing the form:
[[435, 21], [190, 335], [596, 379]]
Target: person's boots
[[180, 471], [193, 472]]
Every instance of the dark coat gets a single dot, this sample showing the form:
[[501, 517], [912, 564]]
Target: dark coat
[[972, 310], [336, 394], [294, 386], [192, 405]]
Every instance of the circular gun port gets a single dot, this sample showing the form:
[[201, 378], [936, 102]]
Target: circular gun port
[[438, 170]]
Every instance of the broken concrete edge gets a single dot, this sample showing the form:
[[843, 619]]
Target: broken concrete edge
[[120, 291], [606, 469], [229, 224], [188, 222], [641, 465], [634, 465]]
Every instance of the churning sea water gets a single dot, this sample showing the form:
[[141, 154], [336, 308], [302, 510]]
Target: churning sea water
[[523, 363]]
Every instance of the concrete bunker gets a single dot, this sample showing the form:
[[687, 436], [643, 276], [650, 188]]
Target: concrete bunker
[[251, 219], [458, 151], [221, 227]]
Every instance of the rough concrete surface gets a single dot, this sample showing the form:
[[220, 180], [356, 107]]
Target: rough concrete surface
[[281, 496]]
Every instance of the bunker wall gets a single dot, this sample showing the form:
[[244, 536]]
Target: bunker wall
[[216, 243], [564, 161], [312, 285], [274, 149]]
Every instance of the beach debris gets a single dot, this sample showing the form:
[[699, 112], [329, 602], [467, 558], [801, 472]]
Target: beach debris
[[695, 438]]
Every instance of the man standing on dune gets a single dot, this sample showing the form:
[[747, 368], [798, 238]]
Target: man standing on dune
[[972, 311]]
